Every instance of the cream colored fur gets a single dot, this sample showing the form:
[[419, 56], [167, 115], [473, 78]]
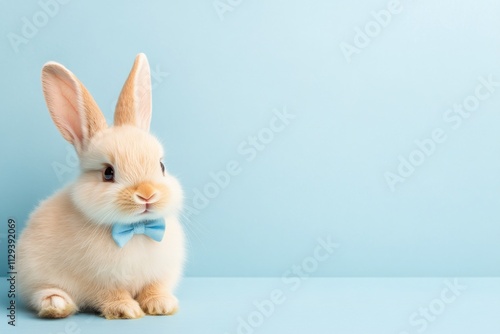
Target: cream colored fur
[[67, 257]]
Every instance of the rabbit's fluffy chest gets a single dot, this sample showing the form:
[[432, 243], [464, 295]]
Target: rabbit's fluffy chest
[[141, 259]]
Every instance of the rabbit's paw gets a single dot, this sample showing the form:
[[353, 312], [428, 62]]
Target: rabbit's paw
[[122, 309], [159, 304], [55, 303]]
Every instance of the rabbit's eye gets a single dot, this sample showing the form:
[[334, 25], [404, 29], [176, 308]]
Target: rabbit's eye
[[108, 174], [162, 167]]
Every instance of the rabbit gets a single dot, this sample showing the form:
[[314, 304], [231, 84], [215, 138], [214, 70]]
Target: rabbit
[[111, 241]]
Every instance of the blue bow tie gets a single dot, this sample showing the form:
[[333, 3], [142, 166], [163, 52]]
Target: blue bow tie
[[154, 229]]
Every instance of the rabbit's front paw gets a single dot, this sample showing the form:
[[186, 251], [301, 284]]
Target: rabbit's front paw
[[122, 309], [159, 304]]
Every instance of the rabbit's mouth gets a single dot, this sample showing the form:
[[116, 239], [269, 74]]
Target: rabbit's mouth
[[144, 210], [148, 208]]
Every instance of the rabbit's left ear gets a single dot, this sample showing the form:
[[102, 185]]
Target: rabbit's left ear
[[72, 108], [134, 104]]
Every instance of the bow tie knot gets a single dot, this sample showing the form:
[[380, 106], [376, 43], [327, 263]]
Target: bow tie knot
[[122, 233], [139, 228]]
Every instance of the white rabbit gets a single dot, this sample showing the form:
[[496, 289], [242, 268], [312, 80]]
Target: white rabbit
[[79, 250]]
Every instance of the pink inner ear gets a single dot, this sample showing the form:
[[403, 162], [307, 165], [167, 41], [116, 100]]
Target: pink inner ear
[[68, 108], [62, 95]]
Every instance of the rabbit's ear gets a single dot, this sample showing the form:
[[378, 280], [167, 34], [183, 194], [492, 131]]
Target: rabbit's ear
[[71, 106], [134, 104]]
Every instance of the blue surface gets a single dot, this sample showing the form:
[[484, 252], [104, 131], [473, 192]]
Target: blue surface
[[218, 78], [319, 305]]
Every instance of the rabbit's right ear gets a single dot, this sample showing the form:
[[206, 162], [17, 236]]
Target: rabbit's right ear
[[134, 104], [71, 106]]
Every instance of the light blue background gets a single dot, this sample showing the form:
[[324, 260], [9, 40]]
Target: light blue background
[[324, 174]]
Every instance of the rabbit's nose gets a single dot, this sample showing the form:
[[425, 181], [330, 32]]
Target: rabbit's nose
[[146, 193], [144, 199]]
